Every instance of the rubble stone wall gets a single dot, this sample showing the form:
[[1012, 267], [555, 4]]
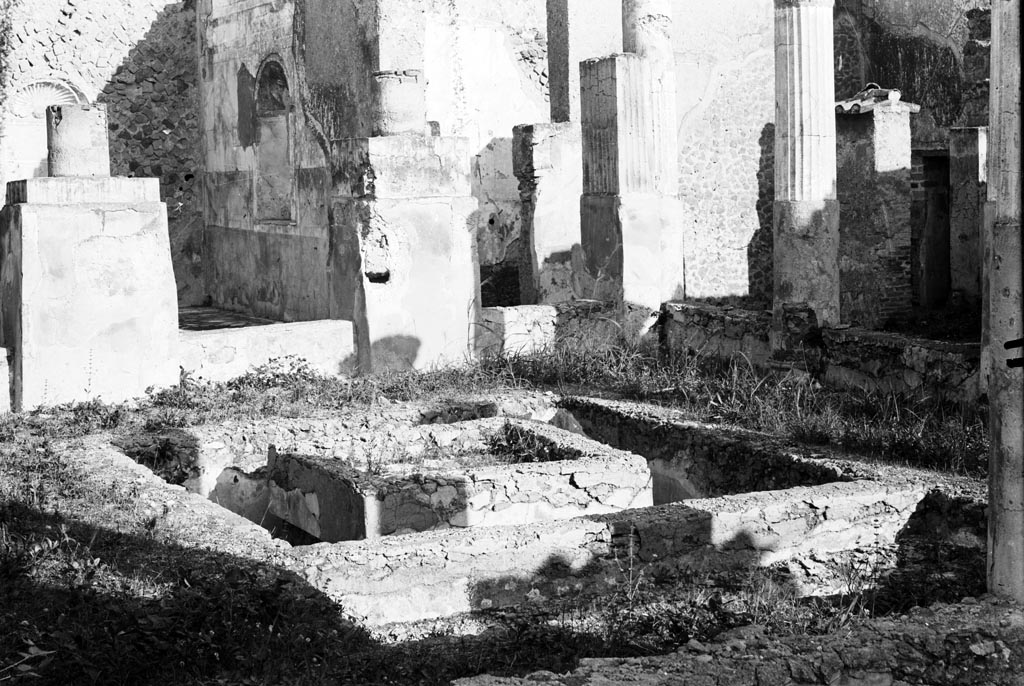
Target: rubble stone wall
[[137, 57], [849, 357]]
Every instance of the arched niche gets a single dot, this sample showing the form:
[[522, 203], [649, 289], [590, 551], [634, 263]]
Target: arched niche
[[23, 143], [275, 171]]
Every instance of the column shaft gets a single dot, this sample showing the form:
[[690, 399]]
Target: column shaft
[[806, 211], [77, 140], [1006, 317]]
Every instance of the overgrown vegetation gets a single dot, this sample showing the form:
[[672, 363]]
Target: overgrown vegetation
[[90, 593], [922, 431]]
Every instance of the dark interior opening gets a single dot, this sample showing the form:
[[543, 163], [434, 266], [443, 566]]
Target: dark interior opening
[[931, 218], [499, 285]]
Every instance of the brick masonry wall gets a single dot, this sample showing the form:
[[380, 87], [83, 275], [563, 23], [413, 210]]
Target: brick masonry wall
[[138, 57]]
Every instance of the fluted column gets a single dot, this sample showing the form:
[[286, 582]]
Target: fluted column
[[630, 216], [806, 210], [1005, 314]]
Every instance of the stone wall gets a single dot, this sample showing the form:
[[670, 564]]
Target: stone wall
[[843, 357], [561, 476], [138, 57], [691, 460]]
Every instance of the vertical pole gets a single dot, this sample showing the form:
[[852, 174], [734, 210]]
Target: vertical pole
[[1006, 318]]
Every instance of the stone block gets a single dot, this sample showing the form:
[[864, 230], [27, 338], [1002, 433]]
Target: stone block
[[223, 354], [633, 247], [547, 159], [524, 330], [419, 278], [89, 302], [71, 191], [720, 332], [408, 166]]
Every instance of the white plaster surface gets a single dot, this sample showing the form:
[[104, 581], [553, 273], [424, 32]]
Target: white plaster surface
[[524, 330], [224, 354], [89, 301]]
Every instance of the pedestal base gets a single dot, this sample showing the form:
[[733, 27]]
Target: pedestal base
[[88, 296], [807, 257]]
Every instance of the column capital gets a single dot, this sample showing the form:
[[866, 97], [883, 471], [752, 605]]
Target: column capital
[[787, 4]]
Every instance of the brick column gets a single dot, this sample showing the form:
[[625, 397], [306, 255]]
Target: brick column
[[1006, 318], [806, 210]]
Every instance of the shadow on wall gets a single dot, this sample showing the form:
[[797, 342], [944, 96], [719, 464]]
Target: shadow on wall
[[626, 577], [152, 106], [392, 353], [760, 250]]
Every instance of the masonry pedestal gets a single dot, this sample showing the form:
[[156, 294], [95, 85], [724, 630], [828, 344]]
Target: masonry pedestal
[[407, 202], [806, 228], [806, 249], [88, 298]]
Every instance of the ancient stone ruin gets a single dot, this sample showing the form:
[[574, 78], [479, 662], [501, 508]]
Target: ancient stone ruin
[[196, 187], [631, 157]]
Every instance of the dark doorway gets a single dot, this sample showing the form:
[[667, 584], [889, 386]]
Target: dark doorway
[[932, 249]]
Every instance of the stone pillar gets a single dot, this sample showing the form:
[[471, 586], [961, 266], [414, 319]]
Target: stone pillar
[[401, 208], [631, 218], [77, 140], [968, 156], [547, 157], [1006, 317], [806, 210], [87, 292], [547, 160], [873, 175]]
